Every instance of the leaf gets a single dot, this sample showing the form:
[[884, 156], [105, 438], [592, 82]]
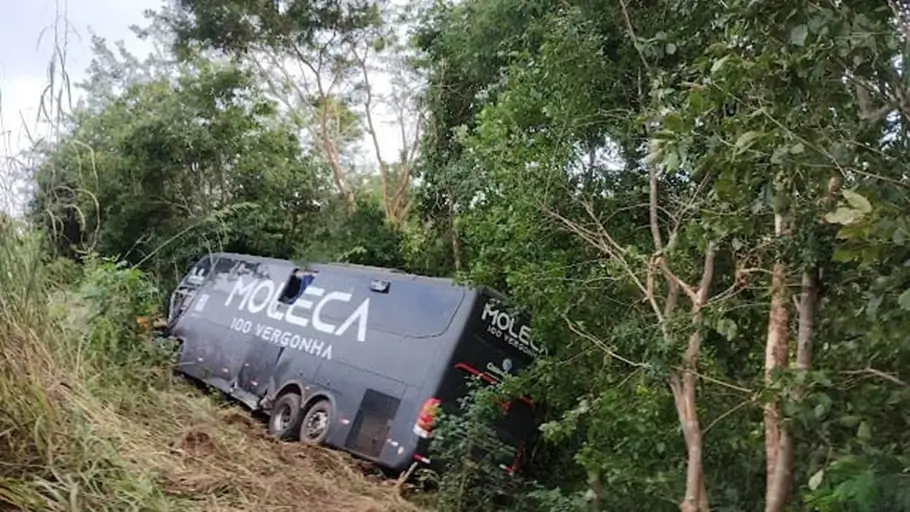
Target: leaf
[[853, 232], [746, 139], [727, 328], [857, 201], [820, 411], [670, 48], [904, 300], [864, 431], [673, 122], [798, 35], [842, 255], [873, 304], [778, 156], [849, 421], [671, 161], [719, 64], [816, 480], [843, 216], [797, 148]]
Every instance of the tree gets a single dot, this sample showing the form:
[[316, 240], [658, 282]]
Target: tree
[[191, 156], [320, 63], [756, 131]]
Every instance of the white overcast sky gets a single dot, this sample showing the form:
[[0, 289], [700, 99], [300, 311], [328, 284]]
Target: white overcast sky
[[27, 44], [27, 31]]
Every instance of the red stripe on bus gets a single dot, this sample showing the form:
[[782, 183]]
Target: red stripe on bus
[[489, 378]]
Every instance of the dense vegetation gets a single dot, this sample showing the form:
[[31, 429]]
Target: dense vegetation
[[704, 204]]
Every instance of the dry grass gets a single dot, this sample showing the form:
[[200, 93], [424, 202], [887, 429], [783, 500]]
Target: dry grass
[[90, 422]]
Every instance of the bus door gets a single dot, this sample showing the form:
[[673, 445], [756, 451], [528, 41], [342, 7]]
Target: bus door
[[203, 325], [263, 352]]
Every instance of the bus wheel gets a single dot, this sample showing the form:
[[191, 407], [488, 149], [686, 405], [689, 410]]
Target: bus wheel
[[315, 427], [284, 422]]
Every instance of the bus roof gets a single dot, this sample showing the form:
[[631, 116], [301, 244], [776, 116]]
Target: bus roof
[[360, 269]]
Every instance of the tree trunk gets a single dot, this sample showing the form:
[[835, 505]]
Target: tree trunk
[[781, 480], [453, 230], [684, 395], [333, 158], [775, 357]]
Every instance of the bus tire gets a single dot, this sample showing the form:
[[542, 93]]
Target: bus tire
[[285, 417], [314, 428]]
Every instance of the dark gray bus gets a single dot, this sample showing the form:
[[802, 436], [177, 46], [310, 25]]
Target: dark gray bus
[[352, 357]]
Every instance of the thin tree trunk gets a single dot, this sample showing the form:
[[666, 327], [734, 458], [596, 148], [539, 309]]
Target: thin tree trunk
[[684, 386], [595, 485], [332, 157], [780, 463], [453, 229], [781, 480], [775, 357], [684, 393]]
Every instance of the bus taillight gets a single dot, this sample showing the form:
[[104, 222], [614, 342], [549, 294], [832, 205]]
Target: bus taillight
[[425, 418]]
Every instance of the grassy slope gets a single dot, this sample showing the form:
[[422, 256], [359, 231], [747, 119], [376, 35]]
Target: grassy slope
[[91, 418]]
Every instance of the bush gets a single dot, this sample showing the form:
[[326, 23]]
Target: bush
[[469, 449]]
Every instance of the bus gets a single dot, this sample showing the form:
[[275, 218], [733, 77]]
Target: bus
[[356, 358]]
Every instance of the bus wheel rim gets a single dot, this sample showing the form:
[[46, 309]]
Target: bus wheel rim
[[282, 419], [317, 425]]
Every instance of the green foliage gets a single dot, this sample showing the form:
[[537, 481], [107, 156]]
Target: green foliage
[[21, 280], [199, 161], [545, 120], [239, 25], [117, 297], [51, 455], [187, 158], [467, 446], [856, 485], [362, 236]]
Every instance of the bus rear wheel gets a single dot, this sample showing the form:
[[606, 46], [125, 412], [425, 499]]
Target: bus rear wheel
[[315, 426], [286, 416]]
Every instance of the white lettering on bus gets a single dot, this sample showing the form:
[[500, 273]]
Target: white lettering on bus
[[282, 338], [263, 295], [503, 326]]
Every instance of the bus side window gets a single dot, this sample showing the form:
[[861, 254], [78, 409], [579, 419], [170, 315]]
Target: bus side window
[[297, 283]]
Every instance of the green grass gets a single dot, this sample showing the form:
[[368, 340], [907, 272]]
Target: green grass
[[93, 419]]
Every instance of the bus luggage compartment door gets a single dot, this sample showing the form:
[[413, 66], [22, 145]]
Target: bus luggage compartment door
[[372, 423], [258, 366]]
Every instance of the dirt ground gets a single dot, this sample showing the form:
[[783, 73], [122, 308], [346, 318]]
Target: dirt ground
[[227, 457]]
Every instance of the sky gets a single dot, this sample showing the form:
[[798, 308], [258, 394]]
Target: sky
[[27, 46], [27, 33]]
